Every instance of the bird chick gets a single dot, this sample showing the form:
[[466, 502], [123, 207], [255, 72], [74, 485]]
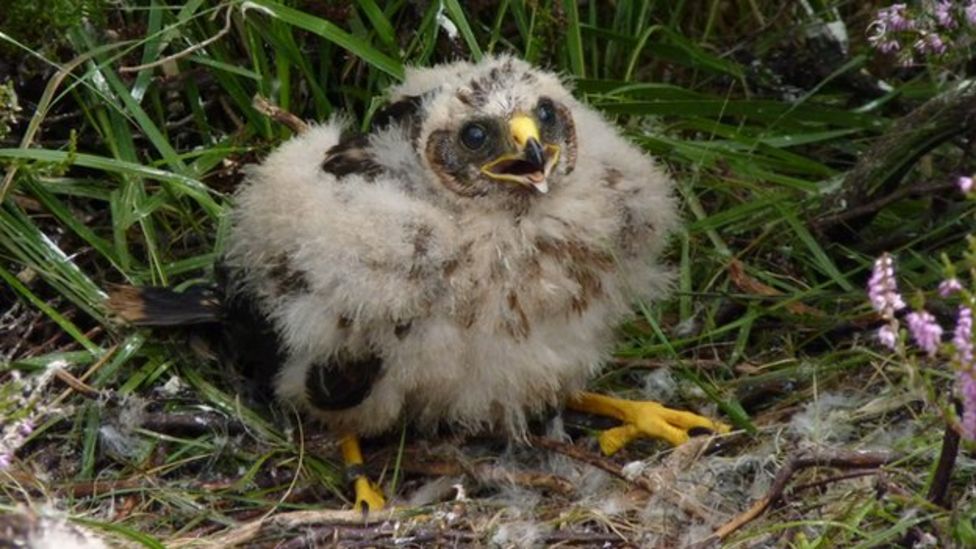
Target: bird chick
[[465, 262]]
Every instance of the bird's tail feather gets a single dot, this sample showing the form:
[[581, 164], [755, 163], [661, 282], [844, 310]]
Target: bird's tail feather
[[164, 306]]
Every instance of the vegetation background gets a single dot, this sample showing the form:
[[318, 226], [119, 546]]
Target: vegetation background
[[801, 152]]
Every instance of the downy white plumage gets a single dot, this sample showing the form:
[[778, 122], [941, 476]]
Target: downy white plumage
[[441, 276]]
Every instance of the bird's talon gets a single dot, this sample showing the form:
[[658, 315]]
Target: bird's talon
[[369, 497], [644, 419]]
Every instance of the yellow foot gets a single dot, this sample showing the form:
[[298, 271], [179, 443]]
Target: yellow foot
[[642, 419], [369, 496]]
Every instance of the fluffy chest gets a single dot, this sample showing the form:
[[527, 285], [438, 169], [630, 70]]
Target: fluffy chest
[[510, 275]]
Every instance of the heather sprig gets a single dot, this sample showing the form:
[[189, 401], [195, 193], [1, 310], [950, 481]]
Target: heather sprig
[[924, 328], [931, 28], [25, 411], [925, 331], [13, 436], [965, 184], [884, 296]]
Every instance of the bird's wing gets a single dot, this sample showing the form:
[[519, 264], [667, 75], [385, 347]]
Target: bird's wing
[[321, 250]]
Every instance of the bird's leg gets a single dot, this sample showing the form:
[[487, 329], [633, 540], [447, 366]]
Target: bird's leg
[[369, 497], [641, 419]]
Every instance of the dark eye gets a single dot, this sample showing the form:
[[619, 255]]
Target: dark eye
[[474, 136], [545, 112]]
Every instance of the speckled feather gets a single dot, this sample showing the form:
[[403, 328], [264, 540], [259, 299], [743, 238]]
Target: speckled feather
[[474, 309]]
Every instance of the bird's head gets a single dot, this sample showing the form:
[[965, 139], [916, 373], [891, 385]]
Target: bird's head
[[496, 128], [514, 151]]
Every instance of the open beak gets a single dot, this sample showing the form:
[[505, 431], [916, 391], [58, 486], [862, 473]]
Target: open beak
[[532, 162]]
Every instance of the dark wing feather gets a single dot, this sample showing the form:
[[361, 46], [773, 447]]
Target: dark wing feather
[[342, 383], [252, 345], [232, 322], [150, 306], [353, 155], [247, 340], [402, 111]]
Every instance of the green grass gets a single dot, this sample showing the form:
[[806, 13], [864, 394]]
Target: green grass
[[120, 174]]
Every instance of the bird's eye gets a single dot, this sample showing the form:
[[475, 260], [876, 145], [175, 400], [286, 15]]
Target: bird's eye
[[474, 136], [545, 112]]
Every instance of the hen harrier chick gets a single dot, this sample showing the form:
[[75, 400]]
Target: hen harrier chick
[[465, 262]]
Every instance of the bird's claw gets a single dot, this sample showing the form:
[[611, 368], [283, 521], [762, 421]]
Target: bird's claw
[[651, 419], [369, 496], [642, 419]]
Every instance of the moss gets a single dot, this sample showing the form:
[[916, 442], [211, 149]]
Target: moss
[[43, 25], [9, 107]]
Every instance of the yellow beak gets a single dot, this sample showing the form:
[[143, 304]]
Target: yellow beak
[[531, 164], [523, 128]]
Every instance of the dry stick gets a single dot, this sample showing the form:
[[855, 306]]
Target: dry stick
[[884, 165], [620, 362], [832, 480], [939, 489], [187, 51], [193, 424], [492, 474], [88, 373], [590, 458], [858, 460], [295, 519], [659, 480], [923, 188], [78, 385], [276, 113], [372, 537], [938, 492]]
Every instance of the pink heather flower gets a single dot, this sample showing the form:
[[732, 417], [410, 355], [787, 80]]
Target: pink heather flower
[[894, 18], [967, 393], [949, 286], [5, 460], [888, 46], [965, 182], [925, 330], [962, 338], [26, 428], [943, 14], [971, 13], [883, 289], [931, 43], [936, 44], [888, 336]]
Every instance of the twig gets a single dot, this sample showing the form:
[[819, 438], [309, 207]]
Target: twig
[[323, 535], [96, 487], [183, 53], [590, 458], [939, 489], [883, 166], [88, 373], [488, 473], [655, 364], [370, 536], [78, 385], [296, 519], [750, 285], [276, 113], [832, 480], [874, 206], [194, 424], [860, 460]]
